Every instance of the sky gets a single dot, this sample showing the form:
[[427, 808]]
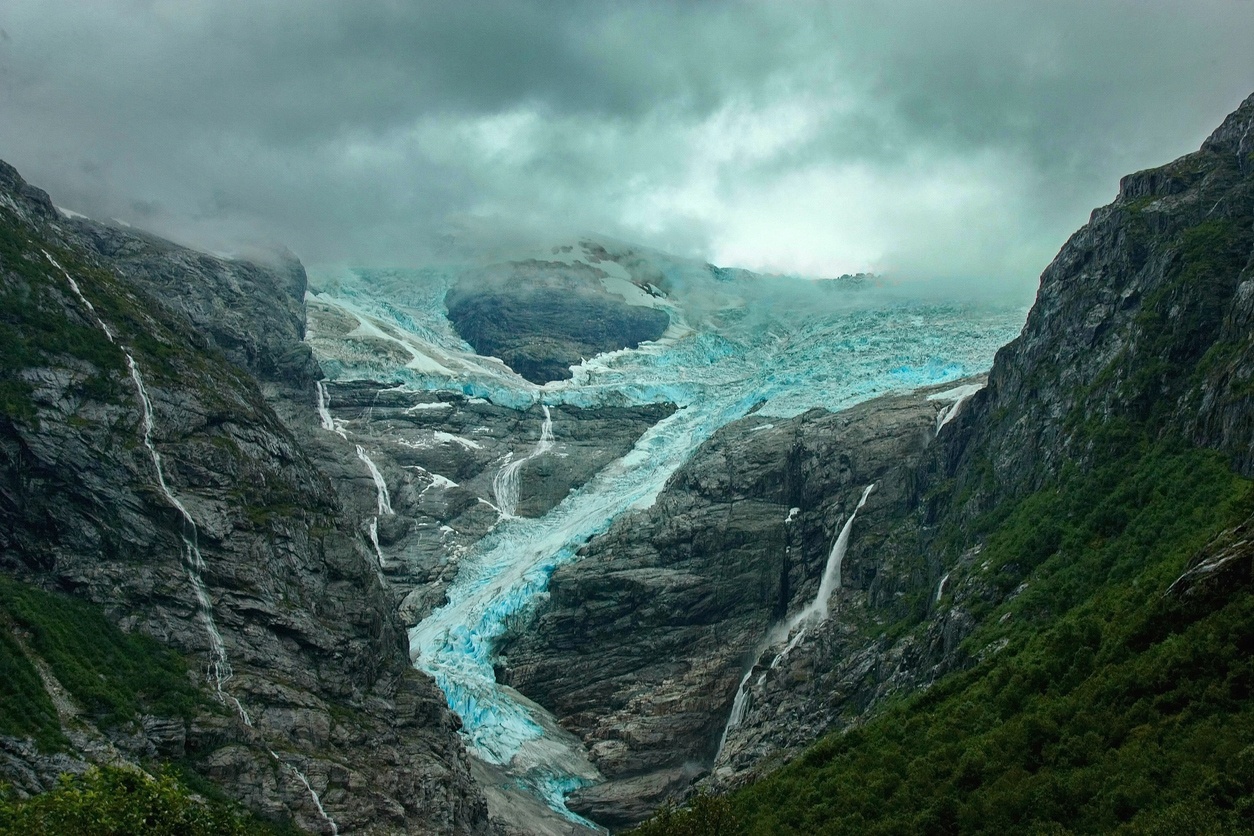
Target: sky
[[957, 141]]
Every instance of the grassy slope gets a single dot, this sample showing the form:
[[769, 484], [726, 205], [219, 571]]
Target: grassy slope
[[113, 676]]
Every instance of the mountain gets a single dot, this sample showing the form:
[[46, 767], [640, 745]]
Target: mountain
[[150, 491], [690, 529], [1052, 625]]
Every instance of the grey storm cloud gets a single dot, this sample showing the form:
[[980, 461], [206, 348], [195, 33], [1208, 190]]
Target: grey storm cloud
[[957, 141]]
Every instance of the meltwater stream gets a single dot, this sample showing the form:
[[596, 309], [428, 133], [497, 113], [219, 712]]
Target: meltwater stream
[[505, 485], [770, 345], [218, 670]]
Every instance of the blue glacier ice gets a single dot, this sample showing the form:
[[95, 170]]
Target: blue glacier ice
[[737, 343]]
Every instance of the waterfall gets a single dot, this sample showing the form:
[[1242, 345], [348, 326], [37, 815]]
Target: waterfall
[[960, 394], [219, 668], [300, 776], [816, 611], [378, 552], [739, 706], [381, 487], [505, 484], [940, 587], [324, 411]]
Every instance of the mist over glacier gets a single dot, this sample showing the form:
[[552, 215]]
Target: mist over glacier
[[738, 342]]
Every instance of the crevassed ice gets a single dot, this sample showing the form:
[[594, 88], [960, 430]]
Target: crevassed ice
[[780, 346]]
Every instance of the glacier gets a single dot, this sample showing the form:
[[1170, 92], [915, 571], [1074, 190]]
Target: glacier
[[738, 343]]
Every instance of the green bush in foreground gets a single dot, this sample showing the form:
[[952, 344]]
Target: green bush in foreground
[[705, 815], [121, 802]]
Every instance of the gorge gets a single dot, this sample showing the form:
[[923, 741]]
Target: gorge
[[426, 566]]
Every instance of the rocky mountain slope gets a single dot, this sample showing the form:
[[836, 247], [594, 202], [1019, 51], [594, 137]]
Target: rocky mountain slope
[[143, 469], [172, 459], [1076, 538]]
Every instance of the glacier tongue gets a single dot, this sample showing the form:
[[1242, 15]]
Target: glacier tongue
[[738, 346]]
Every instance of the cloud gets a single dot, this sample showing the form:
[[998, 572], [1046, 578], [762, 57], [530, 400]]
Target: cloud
[[959, 141]]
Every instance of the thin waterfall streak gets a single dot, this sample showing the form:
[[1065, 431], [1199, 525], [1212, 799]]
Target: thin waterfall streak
[[300, 776], [378, 552], [940, 587], [831, 573], [218, 670], [381, 487], [505, 485], [814, 612], [739, 707], [219, 667], [324, 411]]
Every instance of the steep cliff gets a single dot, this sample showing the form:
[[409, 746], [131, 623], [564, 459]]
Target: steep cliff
[[143, 469], [1075, 544], [644, 640]]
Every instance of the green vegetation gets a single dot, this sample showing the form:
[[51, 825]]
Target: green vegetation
[[33, 325], [1109, 709], [705, 815], [1179, 319], [113, 676], [120, 802], [25, 708]]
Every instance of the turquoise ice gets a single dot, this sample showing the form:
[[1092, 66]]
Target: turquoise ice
[[738, 342]]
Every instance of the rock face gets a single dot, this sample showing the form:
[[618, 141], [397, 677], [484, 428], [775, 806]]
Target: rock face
[[644, 639], [1143, 320], [1145, 316], [321, 688], [441, 459], [541, 318]]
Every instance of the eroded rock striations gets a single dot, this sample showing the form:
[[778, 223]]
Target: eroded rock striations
[[316, 714]]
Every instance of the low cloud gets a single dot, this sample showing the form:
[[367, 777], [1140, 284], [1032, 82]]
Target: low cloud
[[955, 143]]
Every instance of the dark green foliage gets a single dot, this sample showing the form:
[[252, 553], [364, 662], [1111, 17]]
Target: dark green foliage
[[1108, 710], [112, 675], [704, 815], [25, 709], [120, 802]]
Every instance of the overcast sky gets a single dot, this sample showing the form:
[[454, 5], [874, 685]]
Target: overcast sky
[[916, 138]]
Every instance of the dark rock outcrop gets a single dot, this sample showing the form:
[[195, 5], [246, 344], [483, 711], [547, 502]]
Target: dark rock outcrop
[[541, 318]]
